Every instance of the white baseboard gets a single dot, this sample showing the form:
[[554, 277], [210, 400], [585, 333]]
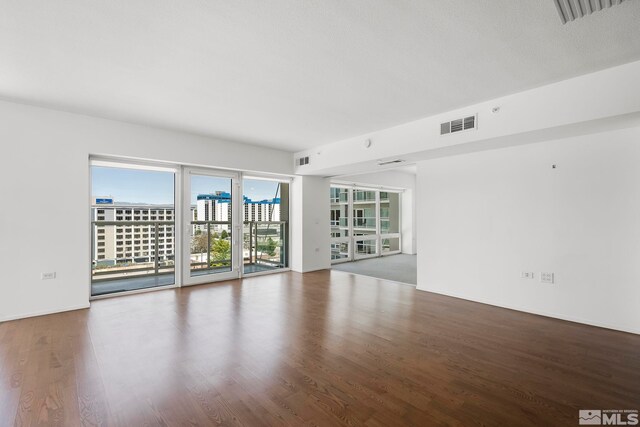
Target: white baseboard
[[310, 270], [540, 313], [44, 312]]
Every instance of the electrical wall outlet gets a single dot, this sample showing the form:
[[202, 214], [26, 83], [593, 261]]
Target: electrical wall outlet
[[526, 275], [546, 277], [48, 276]]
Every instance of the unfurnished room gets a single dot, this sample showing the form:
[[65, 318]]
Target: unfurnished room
[[319, 213]]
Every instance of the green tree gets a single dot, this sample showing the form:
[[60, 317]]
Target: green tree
[[220, 252], [269, 247], [224, 235]]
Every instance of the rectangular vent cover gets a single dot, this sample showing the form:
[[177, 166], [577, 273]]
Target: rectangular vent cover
[[458, 125], [303, 161], [570, 10], [389, 162]]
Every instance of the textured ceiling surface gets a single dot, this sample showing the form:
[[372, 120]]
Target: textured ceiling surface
[[294, 74]]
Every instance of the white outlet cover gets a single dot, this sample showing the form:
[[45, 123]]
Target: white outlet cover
[[547, 277]]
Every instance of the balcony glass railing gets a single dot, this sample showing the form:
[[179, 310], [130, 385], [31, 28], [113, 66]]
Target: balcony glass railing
[[366, 247], [364, 196], [210, 247], [121, 257], [264, 246], [365, 222], [124, 262], [339, 251], [339, 195]]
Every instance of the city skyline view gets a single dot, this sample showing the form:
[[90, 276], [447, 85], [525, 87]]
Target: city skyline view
[[149, 187]]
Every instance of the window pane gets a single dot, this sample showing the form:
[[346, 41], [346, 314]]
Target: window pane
[[366, 247], [391, 244], [211, 232], [339, 251], [390, 213], [121, 263], [364, 217], [266, 225]]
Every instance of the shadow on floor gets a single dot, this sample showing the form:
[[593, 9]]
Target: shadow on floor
[[398, 268]]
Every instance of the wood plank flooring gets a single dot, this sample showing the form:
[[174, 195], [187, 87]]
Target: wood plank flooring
[[320, 349]]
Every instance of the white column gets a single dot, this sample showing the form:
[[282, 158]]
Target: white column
[[310, 229]]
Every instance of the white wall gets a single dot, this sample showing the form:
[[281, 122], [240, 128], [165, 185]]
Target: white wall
[[395, 179], [408, 222], [310, 228], [486, 217], [44, 195]]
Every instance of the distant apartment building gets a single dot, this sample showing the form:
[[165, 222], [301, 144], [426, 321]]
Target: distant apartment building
[[217, 207], [129, 241], [132, 242]]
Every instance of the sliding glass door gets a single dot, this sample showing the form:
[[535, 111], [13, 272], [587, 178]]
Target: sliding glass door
[[225, 226], [211, 226]]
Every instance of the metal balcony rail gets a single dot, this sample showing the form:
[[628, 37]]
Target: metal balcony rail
[[364, 222], [257, 233], [201, 266], [256, 230], [122, 268]]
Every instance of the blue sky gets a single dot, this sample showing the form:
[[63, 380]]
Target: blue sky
[[155, 187]]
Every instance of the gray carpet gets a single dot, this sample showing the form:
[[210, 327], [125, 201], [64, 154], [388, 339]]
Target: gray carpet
[[399, 268]]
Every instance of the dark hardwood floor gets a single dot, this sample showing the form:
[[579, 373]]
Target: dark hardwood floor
[[325, 348]]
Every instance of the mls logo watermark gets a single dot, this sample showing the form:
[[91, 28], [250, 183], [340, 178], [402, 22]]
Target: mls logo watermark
[[590, 417], [608, 417]]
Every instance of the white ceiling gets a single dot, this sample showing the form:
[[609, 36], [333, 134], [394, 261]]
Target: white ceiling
[[295, 74], [411, 169]]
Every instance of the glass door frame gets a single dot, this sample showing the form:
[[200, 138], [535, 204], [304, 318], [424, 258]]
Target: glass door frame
[[236, 226]]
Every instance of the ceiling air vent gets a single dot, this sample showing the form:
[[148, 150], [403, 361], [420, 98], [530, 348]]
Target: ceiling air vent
[[570, 10], [458, 125], [389, 162], [302, 161]]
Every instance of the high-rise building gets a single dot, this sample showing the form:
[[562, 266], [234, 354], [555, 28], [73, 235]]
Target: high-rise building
[[217, 207], [129, 241], [213, 207]]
